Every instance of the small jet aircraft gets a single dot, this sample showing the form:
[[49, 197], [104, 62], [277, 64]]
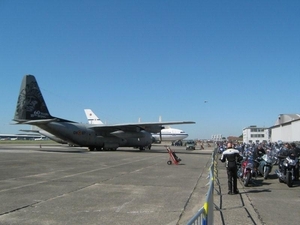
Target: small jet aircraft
[[166, 134], [31, 109]]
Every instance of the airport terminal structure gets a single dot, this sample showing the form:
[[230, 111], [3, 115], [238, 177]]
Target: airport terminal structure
[[286, 128]]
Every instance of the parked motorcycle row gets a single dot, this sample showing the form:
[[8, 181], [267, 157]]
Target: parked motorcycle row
[[249, 169]]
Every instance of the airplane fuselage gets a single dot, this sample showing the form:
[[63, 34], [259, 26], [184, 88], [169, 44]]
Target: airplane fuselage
[[83, 135], [52, 137], [170, 134]]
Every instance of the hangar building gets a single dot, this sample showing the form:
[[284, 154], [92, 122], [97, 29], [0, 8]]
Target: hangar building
[[286, 128]]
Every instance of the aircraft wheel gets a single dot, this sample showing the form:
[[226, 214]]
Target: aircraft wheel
[[169, 162]]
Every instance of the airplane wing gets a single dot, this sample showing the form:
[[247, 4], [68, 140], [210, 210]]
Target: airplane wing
[[131, 129], [152, 127]]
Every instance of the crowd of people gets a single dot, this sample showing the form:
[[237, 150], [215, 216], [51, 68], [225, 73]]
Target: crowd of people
[[232, 154]]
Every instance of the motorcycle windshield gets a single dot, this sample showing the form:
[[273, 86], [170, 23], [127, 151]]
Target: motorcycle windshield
[[267, 158]]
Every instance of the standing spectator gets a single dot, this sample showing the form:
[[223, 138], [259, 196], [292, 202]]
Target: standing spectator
[[231, 156]]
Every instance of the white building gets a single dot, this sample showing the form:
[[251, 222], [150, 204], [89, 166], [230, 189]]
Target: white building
[[286, 128], [254, 134]]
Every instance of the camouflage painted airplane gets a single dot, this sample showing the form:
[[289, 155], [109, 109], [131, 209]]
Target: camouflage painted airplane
[[32, 109]]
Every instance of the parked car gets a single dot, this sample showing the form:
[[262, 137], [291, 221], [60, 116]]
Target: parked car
[[190, 145]]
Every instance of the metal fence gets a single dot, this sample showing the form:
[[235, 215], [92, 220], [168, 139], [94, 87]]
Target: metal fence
[[205, 215]]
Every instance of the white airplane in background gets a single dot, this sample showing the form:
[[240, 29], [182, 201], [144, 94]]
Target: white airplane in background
[[166, 134], [170, 134], [91, 116]]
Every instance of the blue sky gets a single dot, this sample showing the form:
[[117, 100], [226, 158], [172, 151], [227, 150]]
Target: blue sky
[[144, 59]]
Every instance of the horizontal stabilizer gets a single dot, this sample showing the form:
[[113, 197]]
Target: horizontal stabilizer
[[34, 122]]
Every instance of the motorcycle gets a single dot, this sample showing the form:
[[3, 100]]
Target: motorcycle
[[275, 152], [221, 149], [265, 165], [245, 171], [286, 172]]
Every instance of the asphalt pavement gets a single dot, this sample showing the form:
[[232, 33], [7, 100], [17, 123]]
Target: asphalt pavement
[[234, 209], [54, 185]]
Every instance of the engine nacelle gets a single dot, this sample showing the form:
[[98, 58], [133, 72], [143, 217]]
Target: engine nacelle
[[145, 139]]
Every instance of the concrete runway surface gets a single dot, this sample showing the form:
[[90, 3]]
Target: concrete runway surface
[[54, 184]]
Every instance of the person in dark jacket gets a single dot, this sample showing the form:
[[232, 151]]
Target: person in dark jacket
[[259, 151], [287, 151], [231, 156]]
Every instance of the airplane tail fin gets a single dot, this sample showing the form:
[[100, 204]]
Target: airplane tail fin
[[160, 120], [31, 104], [92, 118]]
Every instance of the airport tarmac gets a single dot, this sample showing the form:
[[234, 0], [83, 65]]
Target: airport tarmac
[[53, 184]]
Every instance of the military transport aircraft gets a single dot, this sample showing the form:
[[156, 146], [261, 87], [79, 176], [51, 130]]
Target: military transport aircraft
[[32, 109]]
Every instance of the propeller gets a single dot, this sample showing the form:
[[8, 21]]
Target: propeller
[[160, 138]]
